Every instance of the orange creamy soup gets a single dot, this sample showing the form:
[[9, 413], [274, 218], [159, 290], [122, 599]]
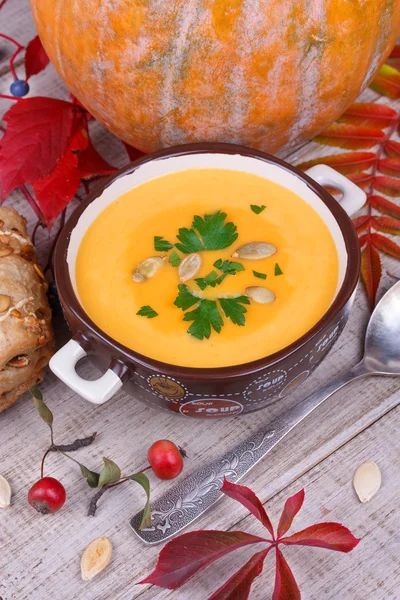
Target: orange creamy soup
[[257, 268]]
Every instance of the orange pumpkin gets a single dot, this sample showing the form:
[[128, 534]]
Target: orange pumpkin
[[265, 73]]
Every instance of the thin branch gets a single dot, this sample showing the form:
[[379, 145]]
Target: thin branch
[[94, 501], [32, 203]]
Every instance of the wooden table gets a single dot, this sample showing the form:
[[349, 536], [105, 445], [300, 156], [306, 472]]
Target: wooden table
[[40, 556]]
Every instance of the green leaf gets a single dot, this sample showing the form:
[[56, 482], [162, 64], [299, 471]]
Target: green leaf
[[174, 258], [257, 209], [185, 298], [209, 280], [147, 311], [42, 408], [278, 270], [91, 477], [204, 317], [207, 233], [143, 480], [234, 310], [228, 267], [260, 275], [110, 472], [161, 245]]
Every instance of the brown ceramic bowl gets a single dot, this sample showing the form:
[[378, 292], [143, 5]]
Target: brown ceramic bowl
[[203, 392]]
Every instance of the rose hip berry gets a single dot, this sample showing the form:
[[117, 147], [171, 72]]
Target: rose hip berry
[[47, 495], [165, 459]]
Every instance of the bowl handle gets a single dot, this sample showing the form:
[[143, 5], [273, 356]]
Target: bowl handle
[[353, 198], [63, 365]]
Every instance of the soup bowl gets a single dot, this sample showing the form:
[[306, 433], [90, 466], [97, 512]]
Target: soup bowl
[[206, 392]]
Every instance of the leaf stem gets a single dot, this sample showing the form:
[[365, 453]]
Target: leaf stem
[[42, 465], [94, 501], [31, 201], [6, 97]]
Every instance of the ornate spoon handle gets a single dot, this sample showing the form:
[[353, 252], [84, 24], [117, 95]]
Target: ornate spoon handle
[[196, 493]]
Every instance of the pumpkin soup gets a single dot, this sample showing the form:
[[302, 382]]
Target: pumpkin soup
[[207, 268]]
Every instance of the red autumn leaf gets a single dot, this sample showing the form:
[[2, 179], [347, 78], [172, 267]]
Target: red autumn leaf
[[369, 114], [331, 536], [362, 239], [386, 224], [79, 139], [36, 58], [392, 148], [352, 137], [387, 185], [36, 137], [387, 82], [191, 552], [389, 166], [56, 190], [92, 164], [371, 272], [363, 180], [133, 153], [239, 585], [286, 587], [395, 53], [348, 162], [387, 246], [361, 224], [384, 206], [247, 498], [290, 510]]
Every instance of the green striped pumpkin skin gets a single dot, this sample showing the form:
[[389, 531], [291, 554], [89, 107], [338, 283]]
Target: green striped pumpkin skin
[[265, 73]]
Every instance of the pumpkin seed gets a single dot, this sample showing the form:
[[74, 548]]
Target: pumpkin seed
[[39, 272], [367, 480], [260, 294], [5, 493], [95, 558], [147, 268], [189, 267], [19, 362], [15, 313], [255, 251], [5, 302]]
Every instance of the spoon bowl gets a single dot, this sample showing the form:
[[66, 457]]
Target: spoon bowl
[[382, 340]]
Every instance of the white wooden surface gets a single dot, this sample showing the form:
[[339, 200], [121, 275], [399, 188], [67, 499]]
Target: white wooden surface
[[39, 556]]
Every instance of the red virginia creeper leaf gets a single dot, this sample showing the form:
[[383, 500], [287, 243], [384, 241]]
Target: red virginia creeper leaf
[[363, 180], [387, 246], [387, 82], [132, 152], [351, 137], [57, 189], [286, 587], [238, 586], [92, 164], [386, 224], [290, 510], [392, 148], [247, 498], [387, 185], [36, 137], [389, 166], [79, 139], [348, 162], [191, 552], [371, 272], [331, 536], [384, 206], [369, 114], [362, 240], [361, 223], [36, 58]]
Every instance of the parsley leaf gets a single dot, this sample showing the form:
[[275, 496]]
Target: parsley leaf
[[207, 233], [204, 317], [210, 279], [278, 270], [147, 311], [257, 209], [161, 245], [174, 258], [234, 310], [228, 267], [185, 298], [260, 275]]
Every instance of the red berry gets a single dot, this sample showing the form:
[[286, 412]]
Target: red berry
[[165, 459], [47, 495]]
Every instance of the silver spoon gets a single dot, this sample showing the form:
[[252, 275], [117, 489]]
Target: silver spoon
[[197, 493]]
